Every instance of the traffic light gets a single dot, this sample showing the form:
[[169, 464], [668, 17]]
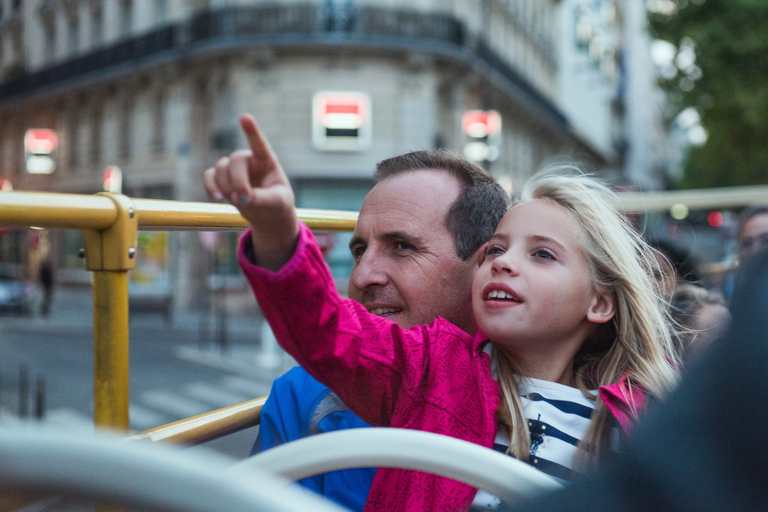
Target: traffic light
[[341, 121], [482, 130], [39, 144]]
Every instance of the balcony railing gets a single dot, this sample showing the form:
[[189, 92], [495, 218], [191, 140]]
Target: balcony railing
[[297, 25], [129, 51]]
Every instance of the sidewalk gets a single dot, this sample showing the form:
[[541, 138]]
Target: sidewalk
[[240, 344]]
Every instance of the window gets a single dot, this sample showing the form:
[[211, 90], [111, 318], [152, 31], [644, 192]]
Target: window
[[126, 17], [161, 11], [97, 23], [126, 125], [73, 34], [49, 30], [158, 124], [74, 140], [97, 116]]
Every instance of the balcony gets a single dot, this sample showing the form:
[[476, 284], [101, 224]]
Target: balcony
[[234, 28]]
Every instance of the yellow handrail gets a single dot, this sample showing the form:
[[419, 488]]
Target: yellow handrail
[[110, 222], [46, 210], [208, 426], [98, 212]]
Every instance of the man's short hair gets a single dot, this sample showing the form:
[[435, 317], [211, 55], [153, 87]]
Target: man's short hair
[[474, 215]]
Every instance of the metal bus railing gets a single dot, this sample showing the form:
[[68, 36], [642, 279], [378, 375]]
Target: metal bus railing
[[110, 223]]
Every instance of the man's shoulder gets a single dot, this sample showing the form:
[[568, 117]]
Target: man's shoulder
[[299, 382], [318, 408]]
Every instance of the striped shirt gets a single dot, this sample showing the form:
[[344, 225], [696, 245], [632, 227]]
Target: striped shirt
[[558, 417]]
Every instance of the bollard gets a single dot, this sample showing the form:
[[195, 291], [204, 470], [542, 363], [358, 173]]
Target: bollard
[[222, 337], [23, 391], [40, 398]]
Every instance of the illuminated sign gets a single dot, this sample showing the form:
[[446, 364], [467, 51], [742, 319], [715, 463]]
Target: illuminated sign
[[341, 121], [40, 141], [113, 179], [39, 144], [482, 129]]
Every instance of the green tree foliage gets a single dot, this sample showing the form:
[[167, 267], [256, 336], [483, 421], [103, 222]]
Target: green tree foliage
[[730, 39]]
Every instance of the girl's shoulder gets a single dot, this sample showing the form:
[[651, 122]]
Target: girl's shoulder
[[625, 400]]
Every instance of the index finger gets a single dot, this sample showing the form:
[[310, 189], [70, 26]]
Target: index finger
[[256, 141]]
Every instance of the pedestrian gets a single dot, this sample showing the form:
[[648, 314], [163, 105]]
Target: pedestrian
[[752, 234], [699, 317], [751, 238], [677, 264], [46, 281]]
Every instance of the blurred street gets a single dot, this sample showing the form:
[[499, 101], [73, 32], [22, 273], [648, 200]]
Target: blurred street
[[177, 367]]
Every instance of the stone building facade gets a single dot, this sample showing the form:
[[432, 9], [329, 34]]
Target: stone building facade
[[154, 87]]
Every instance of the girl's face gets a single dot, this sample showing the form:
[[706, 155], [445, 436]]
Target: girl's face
[[532, 293]]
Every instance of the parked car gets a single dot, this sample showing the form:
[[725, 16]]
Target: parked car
[[16, 295]]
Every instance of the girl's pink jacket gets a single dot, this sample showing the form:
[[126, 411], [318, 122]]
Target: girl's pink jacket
[[430, 377]]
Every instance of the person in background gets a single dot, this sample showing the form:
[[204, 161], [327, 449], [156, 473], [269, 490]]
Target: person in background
[[677, 265], [700, 316], [46, 281], [752, 235], [413, 247], [751, 238]]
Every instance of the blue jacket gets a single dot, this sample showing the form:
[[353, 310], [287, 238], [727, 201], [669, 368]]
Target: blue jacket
[[299, 406]]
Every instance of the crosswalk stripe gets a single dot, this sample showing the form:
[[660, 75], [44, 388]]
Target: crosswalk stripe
[[173, 403], [214, 395], [250, 387]]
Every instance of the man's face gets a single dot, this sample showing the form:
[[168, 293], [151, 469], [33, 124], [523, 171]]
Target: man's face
[[754, 236], [406, 266]]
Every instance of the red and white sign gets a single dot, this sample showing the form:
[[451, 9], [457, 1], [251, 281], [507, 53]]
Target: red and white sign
[[40, 141], [341, 121], [479, 124], [113, 179]]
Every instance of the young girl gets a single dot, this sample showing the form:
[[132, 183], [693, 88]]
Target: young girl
[[569, 320]]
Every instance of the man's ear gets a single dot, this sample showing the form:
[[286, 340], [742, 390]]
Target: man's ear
[[602, 308], [479, 256]]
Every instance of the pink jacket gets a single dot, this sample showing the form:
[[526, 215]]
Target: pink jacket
[[430, 377]]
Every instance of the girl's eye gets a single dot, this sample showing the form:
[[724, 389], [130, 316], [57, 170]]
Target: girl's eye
[[543, 254], [493, 250]]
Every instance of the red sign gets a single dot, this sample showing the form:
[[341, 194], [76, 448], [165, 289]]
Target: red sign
[[341, 121], [40, 141], [481, 123]]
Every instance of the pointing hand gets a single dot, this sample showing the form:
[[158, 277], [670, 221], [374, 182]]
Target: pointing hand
[[255, 183]]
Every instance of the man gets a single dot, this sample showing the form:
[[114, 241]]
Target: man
[[751, 238], [752, 235], [413, 247]]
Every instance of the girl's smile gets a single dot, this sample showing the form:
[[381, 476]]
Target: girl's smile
[[499, 295], [533, 292]]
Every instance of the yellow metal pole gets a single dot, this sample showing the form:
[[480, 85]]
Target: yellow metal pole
[[109, 254], [110, 349]]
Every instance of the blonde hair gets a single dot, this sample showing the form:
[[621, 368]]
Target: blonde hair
[[635, 344]]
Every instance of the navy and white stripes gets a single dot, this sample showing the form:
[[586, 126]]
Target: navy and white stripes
[[558, 417]]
